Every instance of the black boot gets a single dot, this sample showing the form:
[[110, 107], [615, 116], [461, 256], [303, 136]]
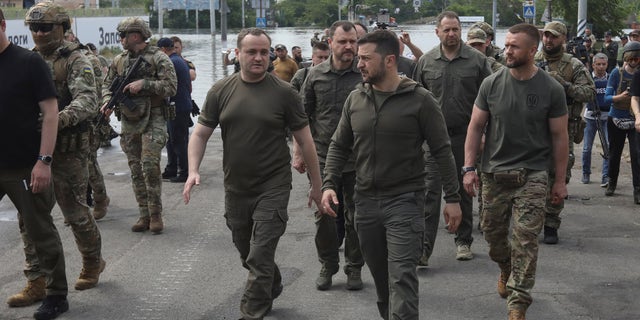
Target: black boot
[[611, 188], [636, 195], [52, 306], [550, 235]]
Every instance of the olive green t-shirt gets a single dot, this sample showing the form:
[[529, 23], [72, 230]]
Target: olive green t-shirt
[[518, 134], [253, 118]]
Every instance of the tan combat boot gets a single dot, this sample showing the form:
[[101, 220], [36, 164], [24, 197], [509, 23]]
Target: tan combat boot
[[100, 208], [33, 292], [502, 285], [90, 275], [516, 314], [141, 225], [156, 224]]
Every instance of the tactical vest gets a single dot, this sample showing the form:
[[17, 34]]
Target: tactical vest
[[61, 65], [74, 138], [564, 68], [623, 84], [147, 71]]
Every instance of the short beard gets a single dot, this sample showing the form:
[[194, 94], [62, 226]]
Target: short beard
[[552, 51], [516, 63]]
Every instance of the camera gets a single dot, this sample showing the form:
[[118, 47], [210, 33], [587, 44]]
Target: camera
[[576, 47]]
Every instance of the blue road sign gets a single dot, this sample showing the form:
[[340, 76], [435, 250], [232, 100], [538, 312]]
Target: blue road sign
[[261, 22], [529, 11]]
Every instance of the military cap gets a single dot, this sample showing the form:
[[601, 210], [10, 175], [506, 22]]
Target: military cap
[[556, 28], [476, 35], [635, 32], [607, 34], [281, 46], [485, 27]]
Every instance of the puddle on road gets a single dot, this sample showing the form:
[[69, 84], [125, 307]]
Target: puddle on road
[[117, 173]]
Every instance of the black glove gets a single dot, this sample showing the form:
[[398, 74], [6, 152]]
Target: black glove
[[194, 109]]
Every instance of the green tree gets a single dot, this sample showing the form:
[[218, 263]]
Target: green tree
[[604, 15]]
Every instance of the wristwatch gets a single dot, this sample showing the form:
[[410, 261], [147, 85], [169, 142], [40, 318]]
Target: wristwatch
[[47, 159], [467, 169]]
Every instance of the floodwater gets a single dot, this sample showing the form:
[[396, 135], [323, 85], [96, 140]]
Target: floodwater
[[206, 52]]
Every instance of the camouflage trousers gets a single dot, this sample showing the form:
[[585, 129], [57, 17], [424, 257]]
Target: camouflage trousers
[[525, 204], [70, 178], [96, 179], [143, 154]]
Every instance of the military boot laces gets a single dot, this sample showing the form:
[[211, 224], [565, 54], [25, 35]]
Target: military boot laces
[[516, 314], [33, 292], [156, 225], [141, 225], [100, 208], [52, 307], [90, 275]]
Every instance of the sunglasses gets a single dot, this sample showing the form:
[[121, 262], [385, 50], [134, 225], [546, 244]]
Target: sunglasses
[[123, 34], [43, 27]]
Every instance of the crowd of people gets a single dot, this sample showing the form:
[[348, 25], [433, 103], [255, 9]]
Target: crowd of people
[[382, 136]]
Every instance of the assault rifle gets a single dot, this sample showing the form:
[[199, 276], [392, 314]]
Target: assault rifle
[[603, 139], [118, 96]]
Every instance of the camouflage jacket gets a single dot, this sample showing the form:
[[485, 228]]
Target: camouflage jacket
[[580, 87], [160, 82], [75, 85], [159, 75], [496, 53], [97, 72]]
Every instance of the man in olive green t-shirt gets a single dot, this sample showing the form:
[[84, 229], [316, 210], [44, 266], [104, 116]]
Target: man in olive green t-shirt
[[256, 163]]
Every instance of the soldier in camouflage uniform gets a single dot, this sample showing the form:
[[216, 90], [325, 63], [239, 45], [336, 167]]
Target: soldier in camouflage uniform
[[77, 100], [579, 89], [96, 190], [144, 130], [492, 50], [514, 175]]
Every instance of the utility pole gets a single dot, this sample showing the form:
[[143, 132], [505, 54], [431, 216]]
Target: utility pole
[[582, 17], [494, 21], [223, 20], [212, 10], [160, 16]]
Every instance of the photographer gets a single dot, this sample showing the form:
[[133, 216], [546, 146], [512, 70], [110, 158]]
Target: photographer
[[621, 123], [577, 48]]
